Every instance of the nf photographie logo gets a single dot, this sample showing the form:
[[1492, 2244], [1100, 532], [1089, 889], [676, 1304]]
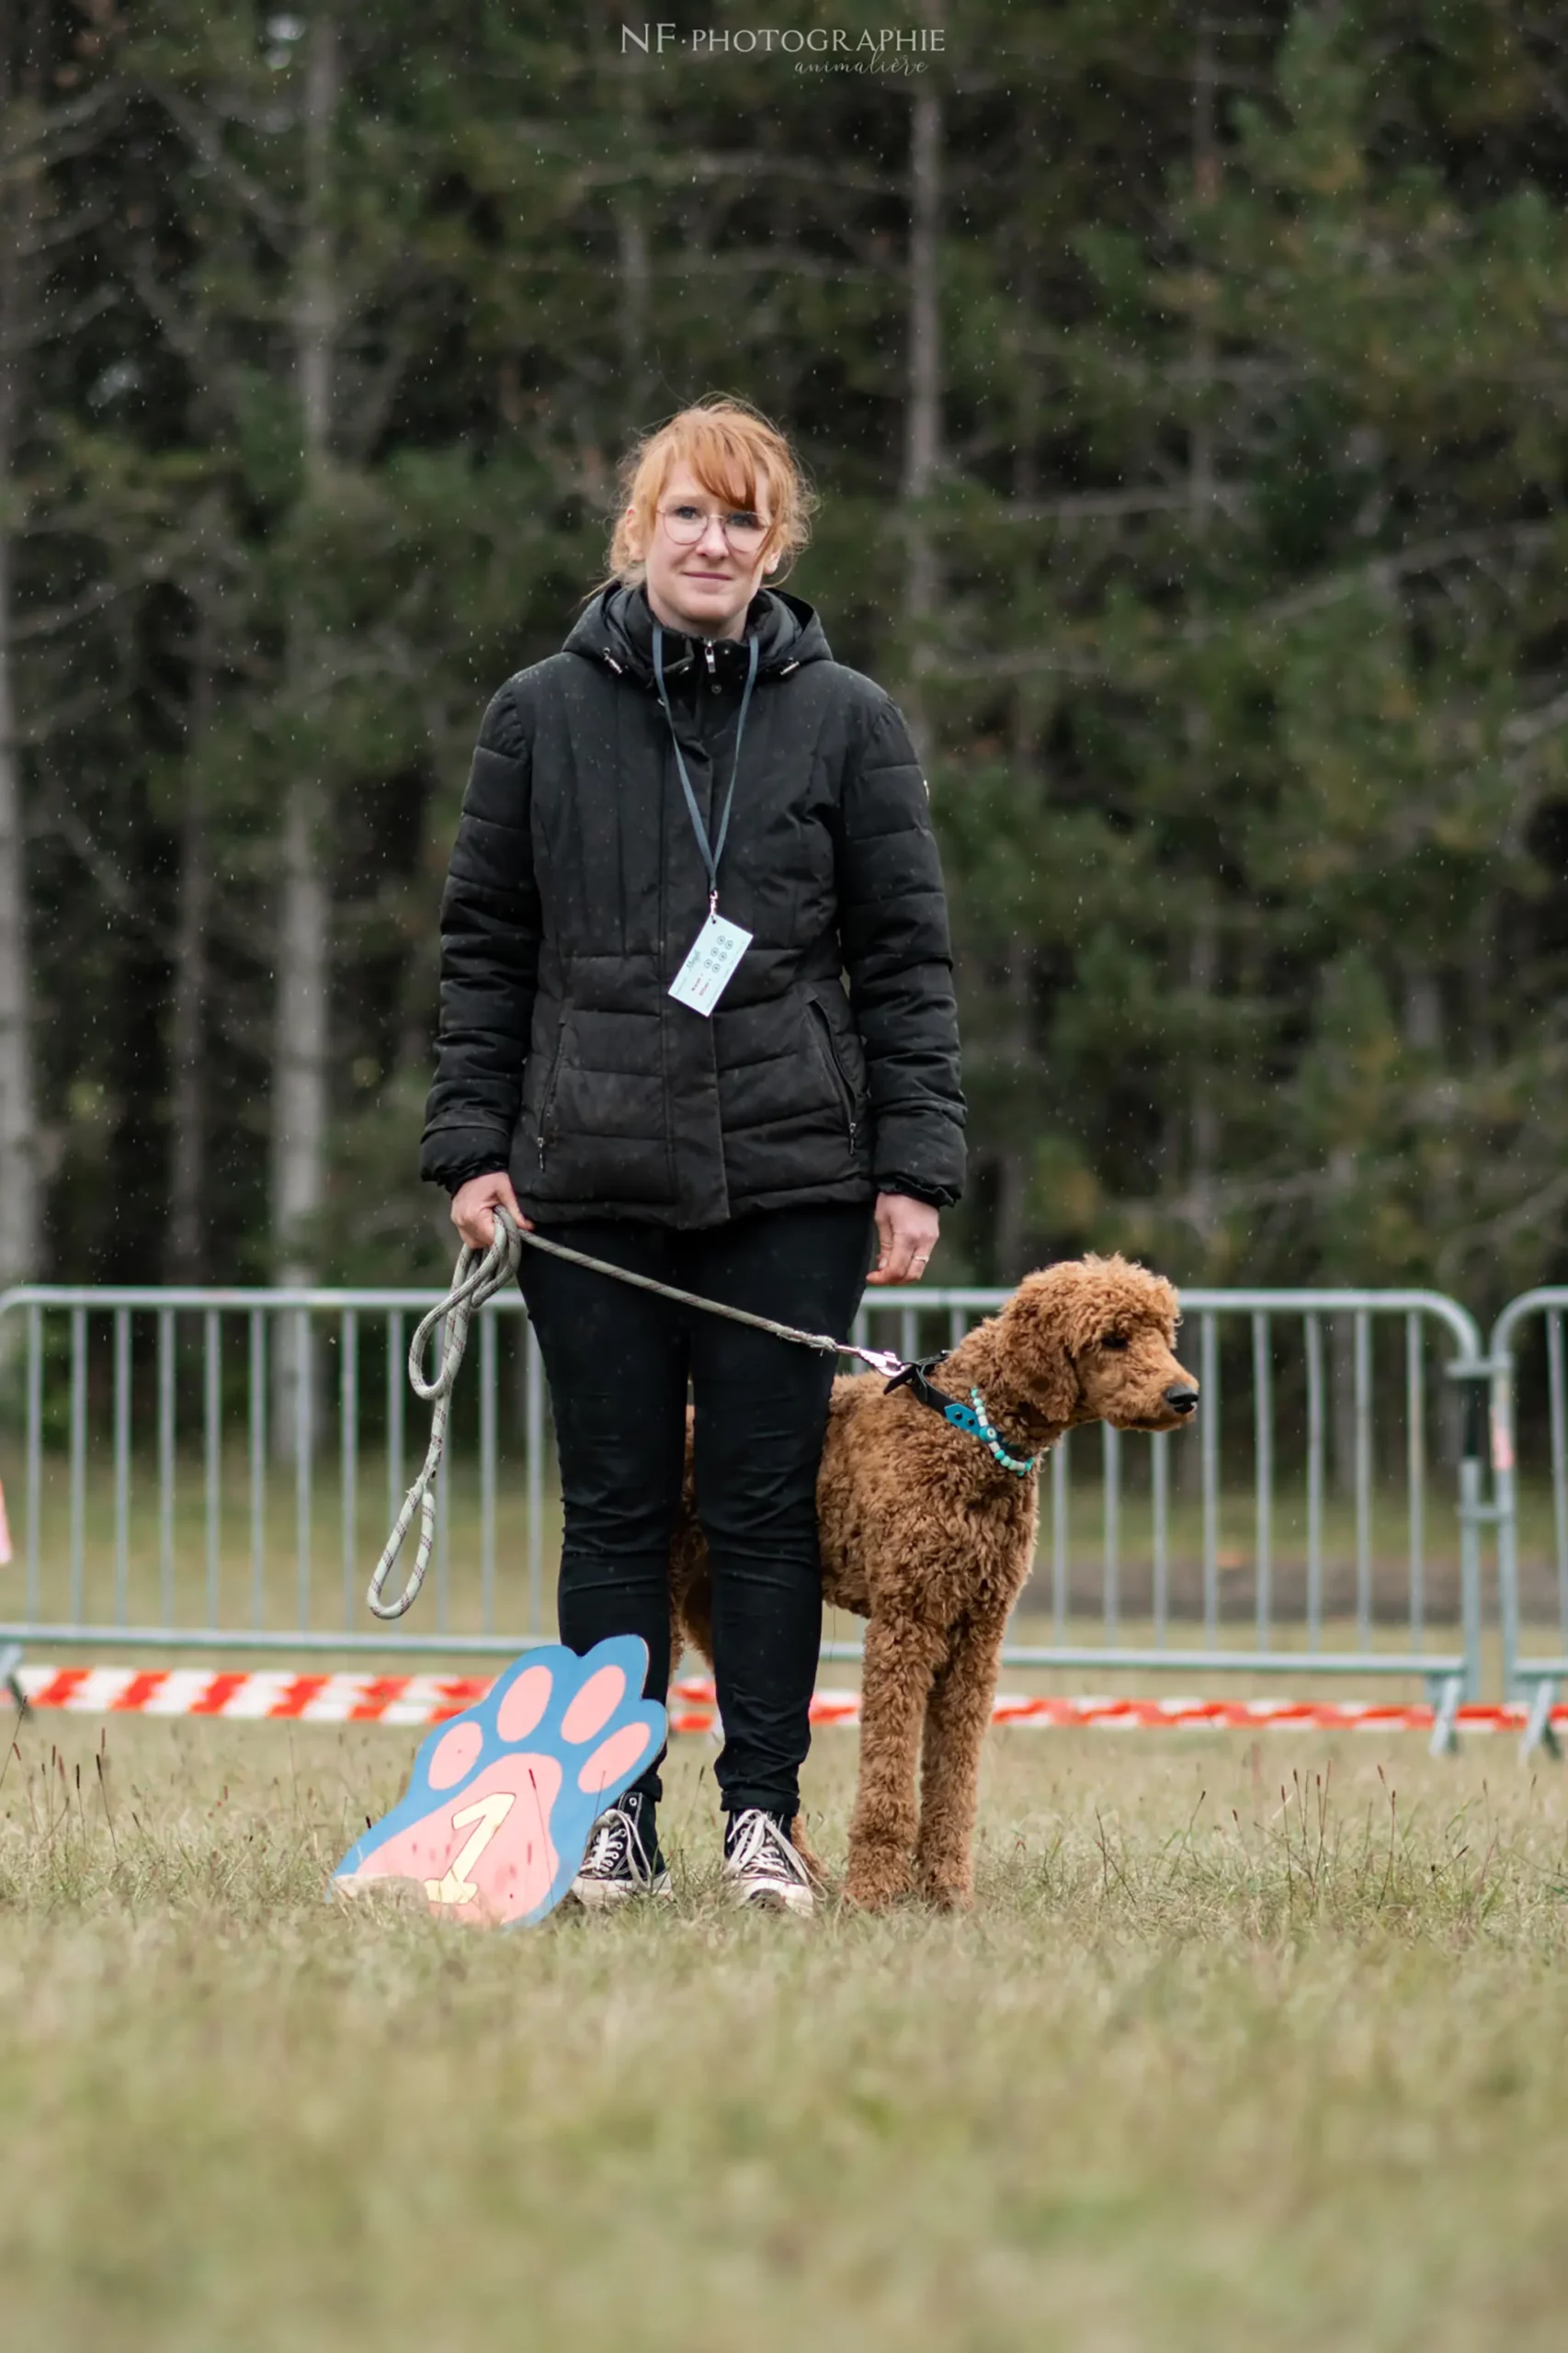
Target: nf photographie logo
[[818, 49]]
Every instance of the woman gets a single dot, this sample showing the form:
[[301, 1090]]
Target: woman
[[694, 762]]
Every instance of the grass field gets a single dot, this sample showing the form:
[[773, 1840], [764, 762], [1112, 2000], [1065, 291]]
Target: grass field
[[1209, 2066]]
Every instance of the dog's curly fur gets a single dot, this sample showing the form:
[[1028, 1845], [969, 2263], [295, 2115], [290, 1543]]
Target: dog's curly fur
[[925, 1535]]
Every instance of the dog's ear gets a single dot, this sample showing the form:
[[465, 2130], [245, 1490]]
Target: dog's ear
[[1039, 1323]]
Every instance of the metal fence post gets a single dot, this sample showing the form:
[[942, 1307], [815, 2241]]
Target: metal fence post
[[1505, 1495], [1534, 1678], [1474, 1512]]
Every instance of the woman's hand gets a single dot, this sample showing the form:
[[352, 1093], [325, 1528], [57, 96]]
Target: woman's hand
[[907, 1230], [473, 1203]]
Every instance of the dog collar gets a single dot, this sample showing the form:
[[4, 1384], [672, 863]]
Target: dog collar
[[971, 1418]]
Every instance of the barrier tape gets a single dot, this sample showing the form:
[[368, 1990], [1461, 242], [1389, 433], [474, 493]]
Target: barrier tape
[[271, 1695], [692, 1711]]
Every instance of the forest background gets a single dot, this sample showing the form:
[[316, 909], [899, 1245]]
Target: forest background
[[1187, 393]]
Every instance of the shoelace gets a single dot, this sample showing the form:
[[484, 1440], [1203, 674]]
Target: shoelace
[[762, 1850], [612, 1849]]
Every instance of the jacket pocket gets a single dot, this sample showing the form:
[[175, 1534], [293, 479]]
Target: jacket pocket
[[837, 1071], [546, 1104]]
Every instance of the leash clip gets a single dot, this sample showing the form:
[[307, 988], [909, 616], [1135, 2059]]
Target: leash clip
[[881, 1360], [914, 1375]]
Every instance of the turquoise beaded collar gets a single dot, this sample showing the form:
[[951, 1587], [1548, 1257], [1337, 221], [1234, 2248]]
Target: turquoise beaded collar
[[971, 1418], [974, 1418]]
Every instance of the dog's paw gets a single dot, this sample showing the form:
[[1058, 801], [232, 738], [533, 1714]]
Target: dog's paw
[[946, 1894], [943, 1876], [863, 1896], [873, 1881], [502, 1798]]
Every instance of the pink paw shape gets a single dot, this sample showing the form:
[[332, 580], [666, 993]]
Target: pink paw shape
[[501, 1800]]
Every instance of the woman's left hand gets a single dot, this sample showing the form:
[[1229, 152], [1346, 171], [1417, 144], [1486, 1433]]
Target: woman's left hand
[[907, 1230]]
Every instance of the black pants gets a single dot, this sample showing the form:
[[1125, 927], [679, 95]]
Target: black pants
[[617, 1363]]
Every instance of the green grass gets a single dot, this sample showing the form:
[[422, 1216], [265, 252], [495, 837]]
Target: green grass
[[1245, 2045]]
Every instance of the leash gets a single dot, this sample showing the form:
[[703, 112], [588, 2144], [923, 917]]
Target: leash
[[478, 1276]]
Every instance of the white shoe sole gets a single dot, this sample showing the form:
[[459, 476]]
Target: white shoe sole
[[773, 1898], [610, 1894]]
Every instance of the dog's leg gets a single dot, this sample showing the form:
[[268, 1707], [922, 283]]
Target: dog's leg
[[956, 1720], [901, 1658]]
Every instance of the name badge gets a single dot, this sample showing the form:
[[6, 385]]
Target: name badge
[[715, 952]]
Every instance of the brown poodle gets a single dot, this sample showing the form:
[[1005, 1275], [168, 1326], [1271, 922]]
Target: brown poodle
[[928, 1536]]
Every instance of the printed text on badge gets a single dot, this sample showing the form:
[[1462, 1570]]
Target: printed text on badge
[[715, 952]]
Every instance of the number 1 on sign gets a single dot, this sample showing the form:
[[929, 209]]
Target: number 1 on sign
[[487, 1816]]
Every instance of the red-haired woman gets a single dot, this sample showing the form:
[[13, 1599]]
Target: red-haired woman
[[694, 766]]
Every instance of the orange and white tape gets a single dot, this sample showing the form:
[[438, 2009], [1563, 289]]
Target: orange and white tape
[[692, 1710], [241, 1694]]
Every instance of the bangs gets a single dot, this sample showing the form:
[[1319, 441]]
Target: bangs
[[728, 463]]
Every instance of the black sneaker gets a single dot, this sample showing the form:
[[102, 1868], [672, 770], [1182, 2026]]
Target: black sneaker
[[762, 1865], [618, 1863]]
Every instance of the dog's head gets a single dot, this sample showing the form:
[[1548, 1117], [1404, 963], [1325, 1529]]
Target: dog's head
[[1094, 1340]]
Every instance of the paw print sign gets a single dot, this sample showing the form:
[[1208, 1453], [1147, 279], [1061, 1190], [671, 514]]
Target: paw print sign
[[502, 1797]]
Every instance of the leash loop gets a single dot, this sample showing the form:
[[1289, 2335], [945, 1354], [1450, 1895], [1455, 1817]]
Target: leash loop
[[479, 1275]]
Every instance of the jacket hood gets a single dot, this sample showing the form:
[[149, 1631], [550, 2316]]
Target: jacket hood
[[617, 630]]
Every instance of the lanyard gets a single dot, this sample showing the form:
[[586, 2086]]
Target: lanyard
[[712, 851]]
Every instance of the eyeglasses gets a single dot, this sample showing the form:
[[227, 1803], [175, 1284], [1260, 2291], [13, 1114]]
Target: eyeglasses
[[744, 532]]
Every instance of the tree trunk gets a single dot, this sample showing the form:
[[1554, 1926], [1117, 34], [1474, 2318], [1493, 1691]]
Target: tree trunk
[[1422, 1008], [300, 1069], [1201, 1122], [1011, 1237], [1029, 1081], [302, 976], [1203, 1125], [186, 1254], [1203, 974], [300, 1051], [19, 1238], [923, 406], [634, 265], [19, 1222]]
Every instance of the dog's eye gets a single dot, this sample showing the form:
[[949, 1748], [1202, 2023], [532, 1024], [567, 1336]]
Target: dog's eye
[[1114, 1340]]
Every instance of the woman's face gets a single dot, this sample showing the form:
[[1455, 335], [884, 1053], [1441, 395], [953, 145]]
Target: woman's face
[[702, 589]]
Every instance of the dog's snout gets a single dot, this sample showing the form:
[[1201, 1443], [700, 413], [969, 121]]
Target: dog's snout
[[1182, 1398]]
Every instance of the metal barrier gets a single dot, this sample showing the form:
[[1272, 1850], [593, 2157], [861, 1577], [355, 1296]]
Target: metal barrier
[[179, 1491], [257, 1379], [1534, 1678], [1320, 1571]]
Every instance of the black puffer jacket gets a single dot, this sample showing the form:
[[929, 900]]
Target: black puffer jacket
[[576, 889]]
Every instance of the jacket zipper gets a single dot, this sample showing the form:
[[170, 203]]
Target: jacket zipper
[[846, 1090], [549, 1103]]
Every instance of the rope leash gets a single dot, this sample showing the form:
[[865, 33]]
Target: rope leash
[[478, 1276]]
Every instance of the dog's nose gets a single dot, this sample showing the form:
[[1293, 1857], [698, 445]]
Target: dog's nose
[[1182, 1400]]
